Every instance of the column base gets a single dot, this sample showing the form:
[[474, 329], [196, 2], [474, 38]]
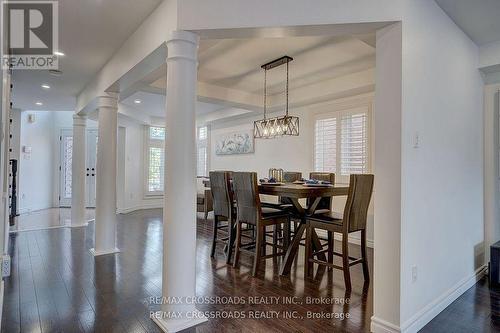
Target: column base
[[76, 225], [104, 252], [176, 325]]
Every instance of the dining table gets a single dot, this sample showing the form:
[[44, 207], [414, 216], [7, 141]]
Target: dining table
[[295, 192]]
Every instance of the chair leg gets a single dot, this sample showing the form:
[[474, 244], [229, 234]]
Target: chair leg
[[366, 272], [275, 239], [286, 235], [308, 265], [238, 245], [258, 248], [214, 240], [263, 243], [330, 246], [206, 213], [230, 243], [345, 261]]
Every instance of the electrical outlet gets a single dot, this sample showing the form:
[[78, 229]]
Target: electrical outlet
[[6, 265], [416, 140], [414, 273]]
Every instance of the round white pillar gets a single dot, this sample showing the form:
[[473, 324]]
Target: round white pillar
[[105, 212], [179, 208], [78, 160]]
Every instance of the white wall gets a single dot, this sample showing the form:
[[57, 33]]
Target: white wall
[[36, 180], [442, 181], [491, 166], [287, 153], [39, 175], [442, 229], [133, 197]]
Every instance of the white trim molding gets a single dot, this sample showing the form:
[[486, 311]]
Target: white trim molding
[[424, 316], [176, 325], [101, 253], [429, 312], [381, 326]]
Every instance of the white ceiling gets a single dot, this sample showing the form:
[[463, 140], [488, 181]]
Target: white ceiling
[[90, 31], [235, 63], [154, 104], [479, 19]]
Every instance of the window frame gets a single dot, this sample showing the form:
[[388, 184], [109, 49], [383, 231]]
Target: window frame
[[207, 151], [148, 143], [338, 113]]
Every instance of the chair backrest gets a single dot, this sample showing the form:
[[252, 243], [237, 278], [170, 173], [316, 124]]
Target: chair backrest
[[358, 200], [325, 203], [325, 176], [221, 193], [246, 192], [291, 176]]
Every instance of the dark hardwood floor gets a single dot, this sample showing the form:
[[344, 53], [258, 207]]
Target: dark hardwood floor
[[477, 310], [57, 286]]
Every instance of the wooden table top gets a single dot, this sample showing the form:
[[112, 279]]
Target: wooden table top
[[299, 191]]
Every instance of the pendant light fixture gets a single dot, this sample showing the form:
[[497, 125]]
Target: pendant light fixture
[[286, 125]]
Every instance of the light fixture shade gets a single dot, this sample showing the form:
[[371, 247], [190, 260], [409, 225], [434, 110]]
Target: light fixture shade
[[276, 127]]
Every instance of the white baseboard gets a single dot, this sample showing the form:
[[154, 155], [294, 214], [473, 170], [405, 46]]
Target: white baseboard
[[177, 325], [33, 209], [355, 240], [424, 316], [429, 312], [381, 326], [1, 299], [352, 239], [131, 209], [102, 253]]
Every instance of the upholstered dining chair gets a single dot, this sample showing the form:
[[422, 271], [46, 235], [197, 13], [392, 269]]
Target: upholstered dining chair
[[354, 219], [222, 197], [325, 205], [250, 211]]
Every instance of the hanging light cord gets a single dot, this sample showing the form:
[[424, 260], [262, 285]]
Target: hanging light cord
[[287, 88], [265, 92]]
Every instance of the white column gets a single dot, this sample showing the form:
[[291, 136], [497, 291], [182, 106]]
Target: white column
[[105, 212], [179, 208], [78, 160]]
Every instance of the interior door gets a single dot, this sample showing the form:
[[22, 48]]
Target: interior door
[[91, 166], [66, 142]]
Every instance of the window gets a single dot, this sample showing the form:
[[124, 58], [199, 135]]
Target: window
[[202, 151], [155, 160], [341, 142]]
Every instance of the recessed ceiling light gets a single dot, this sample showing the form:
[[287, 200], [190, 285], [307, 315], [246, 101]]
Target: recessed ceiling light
[[45, 86], [39, 103], [59, 53], [137, 101]]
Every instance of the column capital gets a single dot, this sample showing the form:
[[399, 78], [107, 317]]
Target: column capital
[[182, 45], [79, 120], [107, 101]]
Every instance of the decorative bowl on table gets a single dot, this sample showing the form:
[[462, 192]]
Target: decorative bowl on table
[[317, 183], [269, 182]]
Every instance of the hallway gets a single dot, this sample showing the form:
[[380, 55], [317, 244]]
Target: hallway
[[57, 286]]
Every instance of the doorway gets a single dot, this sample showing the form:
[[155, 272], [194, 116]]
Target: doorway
[[66, 151]]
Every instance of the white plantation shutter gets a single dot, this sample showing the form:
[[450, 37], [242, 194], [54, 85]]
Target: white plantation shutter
[[354, 144], [155, 160], [202, 151], [325, 158], [341, 142]]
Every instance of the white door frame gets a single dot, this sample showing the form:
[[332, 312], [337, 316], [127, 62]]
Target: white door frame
[[90, 165]]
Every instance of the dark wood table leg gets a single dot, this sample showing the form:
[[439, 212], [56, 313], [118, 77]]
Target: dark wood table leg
[[292, 250], [294, 246]]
